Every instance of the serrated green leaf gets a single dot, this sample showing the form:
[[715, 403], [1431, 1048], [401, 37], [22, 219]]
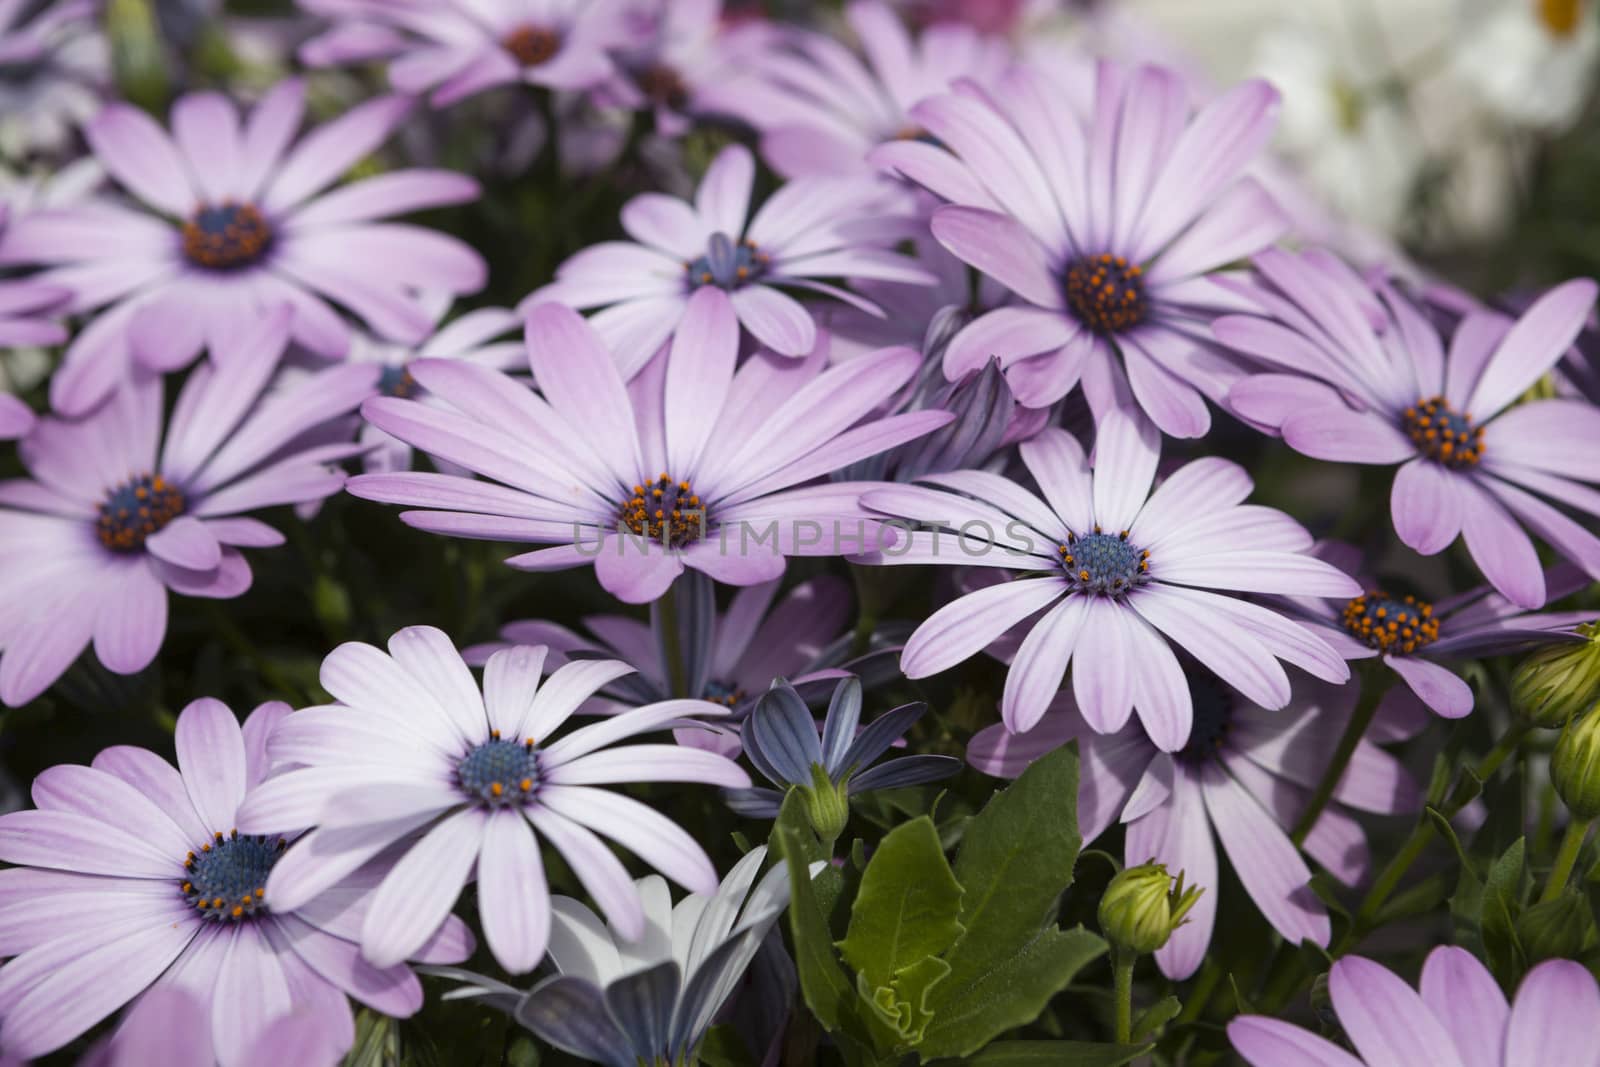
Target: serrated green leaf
[[1015, 862], [906, 908], [1061, 1053], [1153, 1018], [1007, 994]]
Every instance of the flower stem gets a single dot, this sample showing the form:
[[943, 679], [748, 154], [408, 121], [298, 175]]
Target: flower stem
[[1122, 978], [1200, 995], [1566, 858], [671, 643], [1375, 681]]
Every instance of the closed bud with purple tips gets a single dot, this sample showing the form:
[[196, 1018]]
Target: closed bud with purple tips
[[780, 737]]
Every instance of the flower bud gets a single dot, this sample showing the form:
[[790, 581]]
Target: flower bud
[[1143, 905], [1555, 929], [1557, 682], [1575, 765], [827, 805]]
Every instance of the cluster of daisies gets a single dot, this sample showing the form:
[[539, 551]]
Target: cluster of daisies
[[934, 296]]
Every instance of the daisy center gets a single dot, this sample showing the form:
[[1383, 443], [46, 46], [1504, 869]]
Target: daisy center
[[1399, 625], [725, 693], [1213, 718], [397, 381], [665, 510], [1106, 293], [226, 236], [1443, 433], [500, 772], [1108, 564], [1560, 17], [226, 880], [663, 86], [532, 46], [727, 265], [134, 512]]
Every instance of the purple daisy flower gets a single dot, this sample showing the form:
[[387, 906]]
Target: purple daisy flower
[[821, 108], [694, 464], [809, 229], [118, 510], [728, 658], [16, 417], [1107, 226], [57, 66], [230, 226], [166, 892], [1413, 635], [453, 49], [1367, 379], [681, 61], [415, 756], [1123, 576], [172, 1025], [1456, 1018], [23, 307], [1246, 774]]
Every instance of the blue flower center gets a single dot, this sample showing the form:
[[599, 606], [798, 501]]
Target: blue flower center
[[1106, 293], [1396, 625], [500, 772], [725, 693], [1104, 563], [226, 880], [132, 513], [1442, 433], [396, 380], [727, 265], [226, 236], [1213, 718], [666, 510]]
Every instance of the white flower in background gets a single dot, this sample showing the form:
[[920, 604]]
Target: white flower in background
[[53, 58], [1532, 62], [1339, 125]]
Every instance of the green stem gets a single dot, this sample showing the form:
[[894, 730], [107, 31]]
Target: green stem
[[1122, 976], [1199, 996], [671, 642], [236, 639], [1566, 858], [1374, 683]]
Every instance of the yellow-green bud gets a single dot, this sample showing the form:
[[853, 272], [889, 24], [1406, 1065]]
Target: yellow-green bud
[[1143, 905], [827, 805], [1575, 765], [1558, 681]]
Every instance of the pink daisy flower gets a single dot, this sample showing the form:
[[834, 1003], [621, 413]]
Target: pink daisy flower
[[133, 876]]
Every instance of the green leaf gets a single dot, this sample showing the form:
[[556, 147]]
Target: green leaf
[[1157, 1015], [1060, 1053], [906, 908], [913, 987], [1502, 901], [828, 991], [1009, 993], [1015, 862], [723, 1047]]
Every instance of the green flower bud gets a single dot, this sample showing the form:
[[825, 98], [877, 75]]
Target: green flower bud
[[1558, 681], [827, 805], [1575, 765], [1143, 905], [1556, 929]]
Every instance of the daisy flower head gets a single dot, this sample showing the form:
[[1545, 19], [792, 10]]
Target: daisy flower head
[[131, 875], [1416, 637], [1120, 574], [728, 657], [810, 229], [228, 220], [56, 64], [1244, 777], [1359, 375], [1106, 224], [124, 505], [1530, 62], [463, 780], [695, 464], [602, 1004], [821, 107], [780, 738], [1457, 1017], [449, 50]]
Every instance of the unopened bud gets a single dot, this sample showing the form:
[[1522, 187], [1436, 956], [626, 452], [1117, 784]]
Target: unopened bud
[[1143, 905], [827, 804], [1575, 765], [1555, 929], [1557, 682]]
